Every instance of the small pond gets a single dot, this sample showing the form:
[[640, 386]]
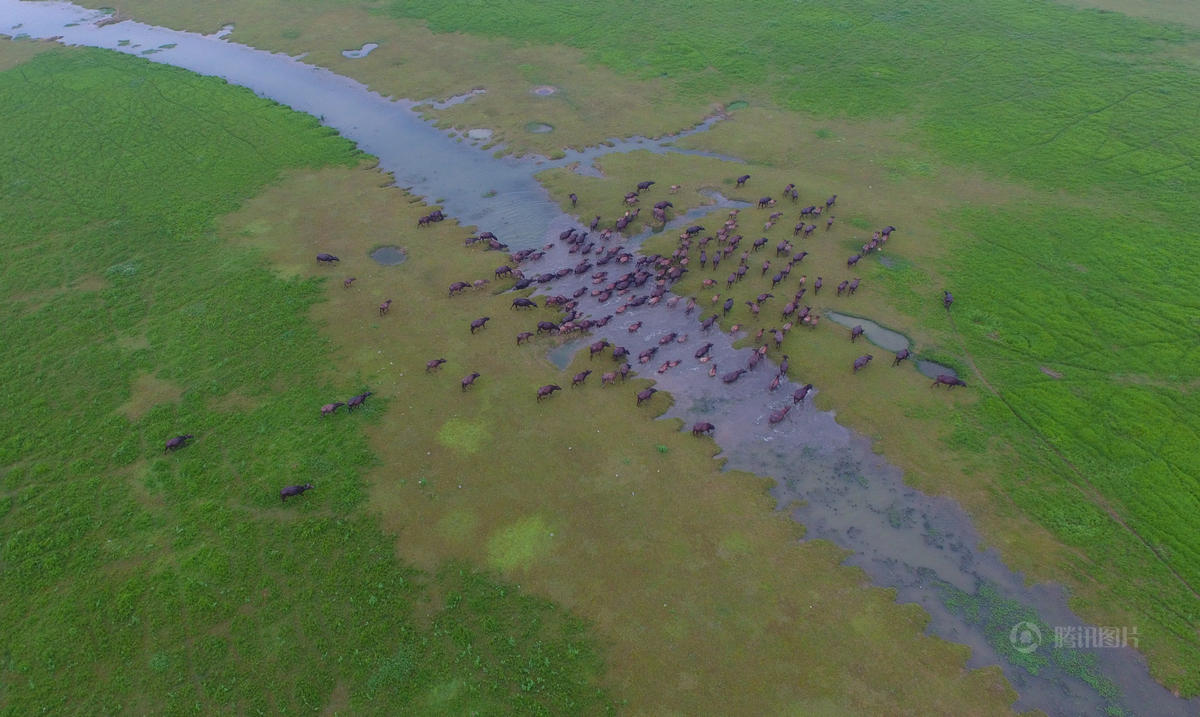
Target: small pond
[[389, 255], [361, 52]]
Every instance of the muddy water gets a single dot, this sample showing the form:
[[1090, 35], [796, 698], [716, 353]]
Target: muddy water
[[924, 547], [885, 338]]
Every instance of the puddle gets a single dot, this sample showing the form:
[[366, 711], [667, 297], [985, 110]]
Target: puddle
[[480, 134], [389, 255], [455, 100], [225, 31], [562, 354], [544, 90], [539, 127], [361, 52], [933, 370], [883, 338], [852, 497]]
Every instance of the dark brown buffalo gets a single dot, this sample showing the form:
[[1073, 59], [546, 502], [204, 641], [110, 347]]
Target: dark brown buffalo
[[596, 348], [469, 380], [862, 361], [742, 179], [346, 284], [733, 375], [479, 323], [580, 377], [457, 287], [523, 337], [523, 303], [947, 299], [856, 332], [384, 307], [356, 401], [945, 379], [293, 490], [547, 390], [574, 199], [842, 287], [643, 186], [777, 416], [801, 393], [433, 364], [174, 444], [327, 258], [330, 408], [853, 285], [608, 379], [817, 285], [703, 350], [645, 395], [700, 429], [901, 355]]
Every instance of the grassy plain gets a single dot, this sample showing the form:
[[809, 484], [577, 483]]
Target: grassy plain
[[1080, 272], [151, 582]]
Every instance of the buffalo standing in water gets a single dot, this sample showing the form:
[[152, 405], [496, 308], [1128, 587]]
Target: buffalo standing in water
[[733, 375], [945, 379], [293, 490], [700, 429], [801, 393], [327, 258], [947, 299], [862, 361], [646, 395], [777, 416], [357, 401], [177, 442], [547, 390], [330, 408], [469, 380], [901, 355]]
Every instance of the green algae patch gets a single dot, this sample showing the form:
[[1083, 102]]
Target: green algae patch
[[463, 436], [519, 544]]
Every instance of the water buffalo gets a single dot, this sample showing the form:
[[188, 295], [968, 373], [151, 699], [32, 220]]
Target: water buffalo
[[645, 395], [385, 307], [177, 442], [777, 416], [829, 202], [330, 408], [597, 347], [742, 179], [479, 323], [708, 323], [901, 355], [694, 229], [632, 328], [733, 375], [547, 390], [703, 350], [856, 332], [759, 243], [853, 260], [469, 380], [728, 305], [457, 287], [523, 303], [862, 361], [945, 379], [947, 299], [580, 377], [523, 337], [817, 285], [574, 199], [764, 202], [801, 393], [346, 284], [357, 400], [774, 383], [643, 186], [608, 379], [433, 364], [700, 429], [619, 352], [327, 258], [668, 338], [293, 490], [853, 287], [645, 356], [783, 365], [842, 287]]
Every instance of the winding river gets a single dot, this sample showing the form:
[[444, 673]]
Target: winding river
[[924, 547]]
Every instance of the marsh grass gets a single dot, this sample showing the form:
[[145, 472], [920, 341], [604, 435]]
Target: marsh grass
[[147, 582]]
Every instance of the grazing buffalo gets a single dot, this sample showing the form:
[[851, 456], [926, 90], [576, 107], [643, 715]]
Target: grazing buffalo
[[862, 361], [327, 258], [842, 287], [346, 284], [945, 379], [479, 323], [293, 490], [433, 364], [547, 390], [357, 401], [596, 348], [608, 379], [947, 299], [700, 429], [856, 332], [801, 393], [742, 179], [733, 375], [330, 408], [853, 260], [728, 305], [764, 202], [385, 307], [523, 337], [177, 442], [619, 352], [643, 186], [505, 270], [457, 287], [580, 377], [817, 285], [777, 416], [523, 303], [469, 380], [853, 286], [829, 202], [645, 395], [574, 199], [901, 355], [632, 328]]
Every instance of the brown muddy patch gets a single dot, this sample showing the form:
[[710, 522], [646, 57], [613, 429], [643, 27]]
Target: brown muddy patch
[[90, 283], [233, 402], [1050, 372], [339, 700], [147, 392], [133, 342]]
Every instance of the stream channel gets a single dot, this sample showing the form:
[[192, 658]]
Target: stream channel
[[923, 547]]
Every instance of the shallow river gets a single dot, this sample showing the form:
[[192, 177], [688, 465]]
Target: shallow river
[[923, 547]]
